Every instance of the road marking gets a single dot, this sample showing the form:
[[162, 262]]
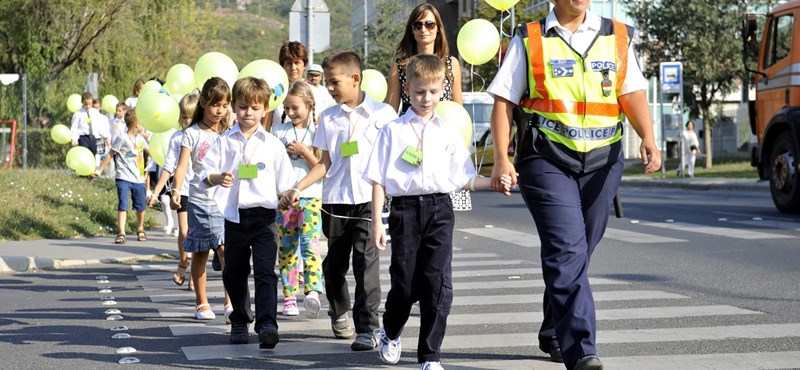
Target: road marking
[[716, 231], [775, 224], [728, 361], [637, 237], [506, 236]]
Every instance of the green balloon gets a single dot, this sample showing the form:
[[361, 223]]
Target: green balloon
[[478, 41], [159, 145], [60, 134], [275, 76], [374, 84], [151, 85], [74, 103], [157, 111], [215, 64], [81, 160], [502, 5], [180, 79], [454, 114], [109, 103]]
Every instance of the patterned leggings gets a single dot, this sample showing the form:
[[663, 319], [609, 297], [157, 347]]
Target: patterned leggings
[[300, 226]]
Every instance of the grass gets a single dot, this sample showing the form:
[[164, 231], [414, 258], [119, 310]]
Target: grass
[[732, 168], [55, 204]]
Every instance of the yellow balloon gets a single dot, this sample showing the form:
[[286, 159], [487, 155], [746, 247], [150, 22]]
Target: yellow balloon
[[159, 145], [60, 134], [215, 64], [74, 102], [275, 76], [454, 114], [478, 41], [157, 111], [151, 85], [81, 160], [180, 79], [502, 5], [109, 103], [374, 84]]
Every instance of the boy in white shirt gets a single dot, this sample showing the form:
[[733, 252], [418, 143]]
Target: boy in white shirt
[[88, 125], [345, 136], [251, 167], [418, 160]]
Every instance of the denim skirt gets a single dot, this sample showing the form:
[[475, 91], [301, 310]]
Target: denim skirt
[[206, 228]]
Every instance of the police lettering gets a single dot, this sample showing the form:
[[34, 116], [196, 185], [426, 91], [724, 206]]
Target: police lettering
[[597, 133], [598, 66]]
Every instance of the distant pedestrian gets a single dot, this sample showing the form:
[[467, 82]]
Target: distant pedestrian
[[128, 153], [134, 98], [691, 148]]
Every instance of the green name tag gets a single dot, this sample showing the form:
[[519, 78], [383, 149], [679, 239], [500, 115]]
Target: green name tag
[[349, 148], [413, 156], [248, 171]]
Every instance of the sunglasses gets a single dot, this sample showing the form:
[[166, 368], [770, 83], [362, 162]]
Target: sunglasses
[[430, 25]]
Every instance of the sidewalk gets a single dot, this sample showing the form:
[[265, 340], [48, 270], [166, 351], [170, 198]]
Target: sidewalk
[[32, 255]]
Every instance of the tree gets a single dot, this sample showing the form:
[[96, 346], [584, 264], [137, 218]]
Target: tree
[[384, 35], [705, 37]]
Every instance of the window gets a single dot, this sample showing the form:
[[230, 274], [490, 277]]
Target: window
[[780, 39]]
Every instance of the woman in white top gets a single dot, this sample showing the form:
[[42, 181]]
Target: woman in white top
[[691, 147]]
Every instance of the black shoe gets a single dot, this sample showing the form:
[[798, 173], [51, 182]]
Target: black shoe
[[239, 334], [553, 350], [589, 362], [215, 264], [268, 336]]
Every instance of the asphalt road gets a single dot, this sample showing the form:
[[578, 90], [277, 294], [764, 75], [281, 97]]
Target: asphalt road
[[688, 279]]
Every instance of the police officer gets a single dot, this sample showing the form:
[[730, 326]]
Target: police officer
[[575, 75]]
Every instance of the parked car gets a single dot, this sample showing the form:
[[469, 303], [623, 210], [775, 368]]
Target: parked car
[[479, 106]]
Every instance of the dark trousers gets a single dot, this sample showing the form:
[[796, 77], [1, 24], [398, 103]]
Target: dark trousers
[[89, 142], [255, 231], [571, 212], [422, 247], [350, 233]]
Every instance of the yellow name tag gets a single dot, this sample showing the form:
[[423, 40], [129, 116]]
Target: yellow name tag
[[248, 171], [413, 156], [349, 148]]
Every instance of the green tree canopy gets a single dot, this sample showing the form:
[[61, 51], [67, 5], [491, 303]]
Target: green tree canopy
[[705, 37]]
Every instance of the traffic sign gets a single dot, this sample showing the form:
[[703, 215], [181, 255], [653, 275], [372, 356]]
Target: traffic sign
[[671, 77]]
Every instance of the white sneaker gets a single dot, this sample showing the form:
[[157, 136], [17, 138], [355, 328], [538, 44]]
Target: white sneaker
[[431, 365], [167, 230], [175, 232], [312, 305], [389, 349], [290, 306]]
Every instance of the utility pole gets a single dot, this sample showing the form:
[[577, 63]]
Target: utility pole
[[310, 33], [366, 33], [24, 121]]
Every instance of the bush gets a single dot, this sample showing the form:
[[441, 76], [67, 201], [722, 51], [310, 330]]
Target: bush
[[43, 152]]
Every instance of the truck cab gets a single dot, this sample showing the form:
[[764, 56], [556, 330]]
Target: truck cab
[[774, 51]]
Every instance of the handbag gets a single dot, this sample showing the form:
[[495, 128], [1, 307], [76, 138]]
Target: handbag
[[462, 201]]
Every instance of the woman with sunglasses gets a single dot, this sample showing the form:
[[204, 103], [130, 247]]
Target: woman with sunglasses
[[423, 34]]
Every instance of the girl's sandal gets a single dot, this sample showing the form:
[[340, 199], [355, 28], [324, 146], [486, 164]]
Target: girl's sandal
[[120, 239], [179, 277], [141, 235]]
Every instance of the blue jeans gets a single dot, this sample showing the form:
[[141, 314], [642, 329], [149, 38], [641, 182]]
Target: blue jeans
[[136, 191]]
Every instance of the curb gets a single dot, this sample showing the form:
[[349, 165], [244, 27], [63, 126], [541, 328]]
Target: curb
[[698, 184], [17, 264]]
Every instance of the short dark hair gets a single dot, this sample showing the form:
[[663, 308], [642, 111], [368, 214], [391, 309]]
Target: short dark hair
[[345, 61], [291, 51]]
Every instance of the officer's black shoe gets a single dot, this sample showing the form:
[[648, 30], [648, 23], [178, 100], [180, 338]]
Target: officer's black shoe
[[215, 264], [589, 362], [268, 336], [239, 334], [553, 350]]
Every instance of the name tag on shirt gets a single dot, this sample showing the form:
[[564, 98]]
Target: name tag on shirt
[[349, 148], [413, 156], [248, 171]]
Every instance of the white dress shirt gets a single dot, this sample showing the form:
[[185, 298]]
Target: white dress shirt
[[275, 172], [80, 124], [446, 165], [511, 80], [171, 160], [345, 183]]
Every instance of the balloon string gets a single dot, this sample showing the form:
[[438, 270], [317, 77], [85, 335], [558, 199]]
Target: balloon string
[[503, 19], [472, 87]]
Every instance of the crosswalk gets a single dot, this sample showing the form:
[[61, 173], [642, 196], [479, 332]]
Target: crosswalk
[[497, 310]]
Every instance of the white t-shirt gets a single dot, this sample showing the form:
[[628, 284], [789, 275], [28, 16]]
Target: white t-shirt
[[198, 142], [131, 102], [511, 80], [171, 160], [287, 133], [129, 158]]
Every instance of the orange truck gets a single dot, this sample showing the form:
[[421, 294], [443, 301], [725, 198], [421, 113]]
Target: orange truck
[[775, 114]]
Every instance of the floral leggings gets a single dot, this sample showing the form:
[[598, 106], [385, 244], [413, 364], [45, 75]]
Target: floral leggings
[[300, 226]]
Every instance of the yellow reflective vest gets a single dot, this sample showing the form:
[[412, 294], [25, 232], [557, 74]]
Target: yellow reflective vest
[[574, 95]]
